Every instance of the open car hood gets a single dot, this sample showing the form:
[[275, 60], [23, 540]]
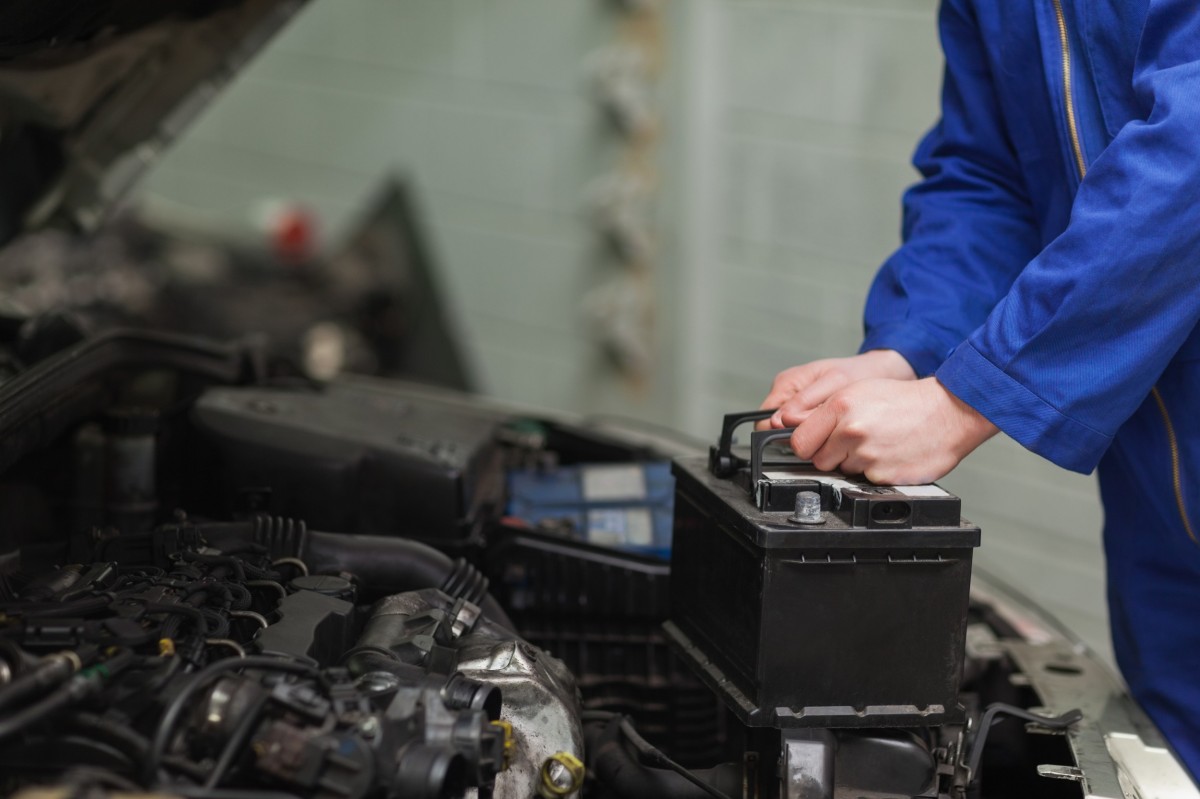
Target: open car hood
[[91, 93]]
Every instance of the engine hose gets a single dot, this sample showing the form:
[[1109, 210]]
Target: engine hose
[[220, 623], [242, 598], [78, 608], [220, 590], [383, 565], [618, 769], [466, 581], [52, 671], [84, 684], [124, 739], [187, 611]]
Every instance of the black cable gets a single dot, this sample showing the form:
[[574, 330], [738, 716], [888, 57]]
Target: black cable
[[242, 568], [178, 704], [52, 671], [989, 716], [180, 610], [658, 757], [187, 573], [128, 741], [181, 764], [613, 760], [211, 587], [241, 549], [236, 564], [242, 597], [80, 608], [170, 627], [274, 586], [237, 738], [81, 776], [75, 689], [220, 623], [156, 683], [81, 686]]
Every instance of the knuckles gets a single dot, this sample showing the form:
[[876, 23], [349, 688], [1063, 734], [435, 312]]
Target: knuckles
[[801, 447], [855, 431], [825, 463], [840, 404]]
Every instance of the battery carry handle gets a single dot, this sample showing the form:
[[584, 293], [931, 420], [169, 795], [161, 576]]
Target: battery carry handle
[[758, 445], [721, 460]]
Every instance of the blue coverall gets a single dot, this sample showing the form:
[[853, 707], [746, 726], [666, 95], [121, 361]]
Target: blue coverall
[[1050, 278]]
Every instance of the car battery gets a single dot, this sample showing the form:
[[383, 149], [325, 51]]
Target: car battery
[[816, 599]]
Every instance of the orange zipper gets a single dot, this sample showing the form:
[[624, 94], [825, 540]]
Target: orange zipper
[[1069, 99]]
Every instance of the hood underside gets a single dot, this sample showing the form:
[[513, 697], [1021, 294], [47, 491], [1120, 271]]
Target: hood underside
[[91, 94]]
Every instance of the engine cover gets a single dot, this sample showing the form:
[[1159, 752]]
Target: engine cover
[[338, 457]]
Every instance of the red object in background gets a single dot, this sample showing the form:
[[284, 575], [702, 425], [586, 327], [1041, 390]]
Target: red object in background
[[294, 235]]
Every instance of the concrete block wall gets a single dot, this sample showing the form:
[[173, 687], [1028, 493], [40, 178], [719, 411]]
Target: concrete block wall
[[789, 126], [486, 108]]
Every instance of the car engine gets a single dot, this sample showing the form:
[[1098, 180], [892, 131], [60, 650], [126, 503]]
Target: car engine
[[220, 582]]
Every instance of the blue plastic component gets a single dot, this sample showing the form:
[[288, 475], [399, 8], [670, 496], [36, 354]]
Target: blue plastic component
[[625, 506]]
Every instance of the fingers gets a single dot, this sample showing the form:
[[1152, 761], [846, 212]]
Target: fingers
[[894, 431], [836, 442], [768, 423], [834, 455], [807, 399], [804, 399], [811, 435], [783, 389], [790, 381]]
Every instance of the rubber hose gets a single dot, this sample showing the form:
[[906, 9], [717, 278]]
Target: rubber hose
[[384, 565], [51, 672]]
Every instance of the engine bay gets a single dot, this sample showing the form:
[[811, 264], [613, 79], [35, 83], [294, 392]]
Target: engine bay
[[220, 582]]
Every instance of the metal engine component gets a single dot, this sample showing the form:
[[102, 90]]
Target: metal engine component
[[808, 757], [413, 709], [541, 702]]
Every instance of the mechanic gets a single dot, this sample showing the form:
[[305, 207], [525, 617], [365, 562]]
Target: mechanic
[[1049, 286]]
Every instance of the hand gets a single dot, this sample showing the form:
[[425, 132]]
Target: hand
[[798, 391], [895, 432]]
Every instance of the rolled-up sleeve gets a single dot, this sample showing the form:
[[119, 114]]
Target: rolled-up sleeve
[[1086, 329]]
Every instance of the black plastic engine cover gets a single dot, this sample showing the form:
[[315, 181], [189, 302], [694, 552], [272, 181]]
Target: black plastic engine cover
[[356, 456]]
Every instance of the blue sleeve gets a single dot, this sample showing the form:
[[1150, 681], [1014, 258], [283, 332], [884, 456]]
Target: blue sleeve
[[1078, 342], [969, 226]]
